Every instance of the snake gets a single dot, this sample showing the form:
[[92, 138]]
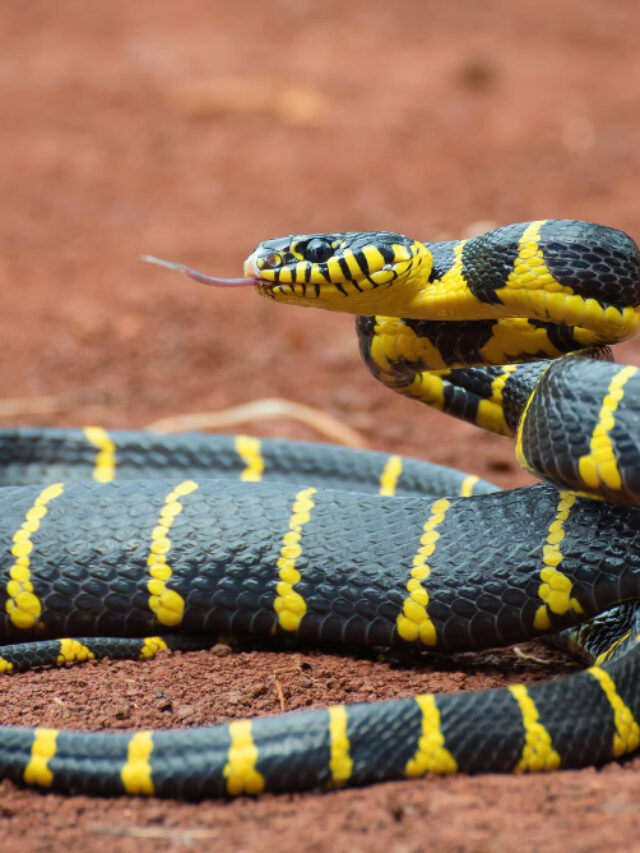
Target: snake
[[122, 543]]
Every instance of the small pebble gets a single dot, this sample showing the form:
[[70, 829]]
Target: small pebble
[[123, 712]]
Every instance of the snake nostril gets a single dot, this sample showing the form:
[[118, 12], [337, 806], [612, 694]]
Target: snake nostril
[[273, 259]]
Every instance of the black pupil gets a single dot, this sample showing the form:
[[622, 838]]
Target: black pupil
[[318, 251]]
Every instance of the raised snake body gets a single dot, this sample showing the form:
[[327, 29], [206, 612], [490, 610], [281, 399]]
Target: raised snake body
[[313, 551]]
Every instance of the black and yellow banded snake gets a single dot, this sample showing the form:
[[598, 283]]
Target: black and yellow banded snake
[[336, 545]]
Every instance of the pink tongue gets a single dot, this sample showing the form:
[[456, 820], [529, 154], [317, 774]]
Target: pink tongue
[[200, 276]]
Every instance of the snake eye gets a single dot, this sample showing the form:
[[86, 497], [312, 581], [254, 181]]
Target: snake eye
[[318, 250]]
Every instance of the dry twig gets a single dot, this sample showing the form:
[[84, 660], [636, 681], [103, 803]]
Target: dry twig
[[267, 409]]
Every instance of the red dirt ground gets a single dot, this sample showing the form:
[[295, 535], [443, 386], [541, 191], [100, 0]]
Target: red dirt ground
[[192, 131]]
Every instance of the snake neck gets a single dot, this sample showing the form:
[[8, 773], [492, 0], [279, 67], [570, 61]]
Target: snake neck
[[540, 272]]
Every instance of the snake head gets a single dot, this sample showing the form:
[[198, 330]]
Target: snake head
[[346, 271], [360, 272]]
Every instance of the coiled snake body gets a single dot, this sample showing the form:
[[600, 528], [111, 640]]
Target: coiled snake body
[[349, 546]]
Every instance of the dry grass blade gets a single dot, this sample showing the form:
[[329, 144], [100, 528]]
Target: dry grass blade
[[278, 687], [527, 656], [267, 409], [175, 835]]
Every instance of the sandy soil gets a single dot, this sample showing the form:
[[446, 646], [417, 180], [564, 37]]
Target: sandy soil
[[192, 131]]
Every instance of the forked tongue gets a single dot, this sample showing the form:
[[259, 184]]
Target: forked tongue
[[199, 276]]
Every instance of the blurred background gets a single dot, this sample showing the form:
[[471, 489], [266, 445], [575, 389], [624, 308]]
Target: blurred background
[[193, 130]]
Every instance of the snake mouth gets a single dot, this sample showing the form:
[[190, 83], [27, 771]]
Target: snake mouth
[[279, 281]]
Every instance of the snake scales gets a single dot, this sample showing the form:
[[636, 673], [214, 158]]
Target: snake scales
[[329, 544]]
